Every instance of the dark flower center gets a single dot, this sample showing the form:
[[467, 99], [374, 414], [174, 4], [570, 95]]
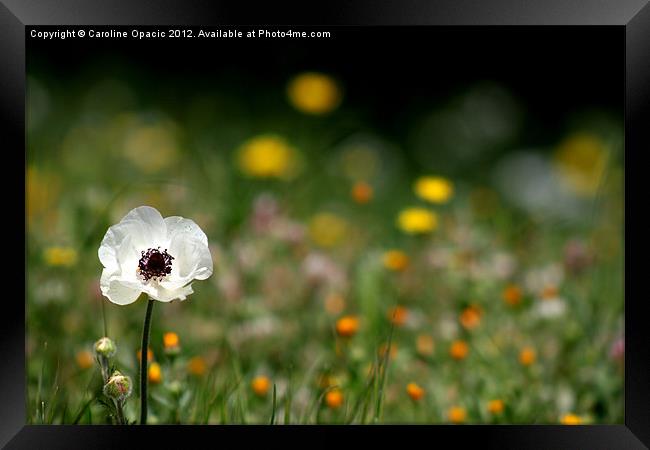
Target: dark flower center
[[155, 264]]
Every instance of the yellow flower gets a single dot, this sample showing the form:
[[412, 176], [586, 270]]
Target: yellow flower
[[495, 406], [361, 192], [196, 366], [155, 373], [327, 229], [60, 256], [84, 359], [414, 391], [434, 189], [398, 315], [470, 318], [334, 304], [570, 419], [456, 414], [268, 156], [425, 345], [527, 356], [459, 350], [580, 160], [261, 385], [417, 220], [512, 295], [314, 93], [334, 398], [347, 326], [396, 260]]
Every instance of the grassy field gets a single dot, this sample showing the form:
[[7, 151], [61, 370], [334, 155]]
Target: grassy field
[[468, 276]]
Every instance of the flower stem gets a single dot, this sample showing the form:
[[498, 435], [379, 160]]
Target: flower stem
[[144, 360]]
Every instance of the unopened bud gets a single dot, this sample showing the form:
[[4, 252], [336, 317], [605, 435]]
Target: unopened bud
[[118, 386], [105, 347]]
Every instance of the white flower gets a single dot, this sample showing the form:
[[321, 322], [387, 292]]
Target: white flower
[[160, 257]]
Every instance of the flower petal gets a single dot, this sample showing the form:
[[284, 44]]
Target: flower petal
[[162, 294], [118, 291], [192, 260], [176, 225]]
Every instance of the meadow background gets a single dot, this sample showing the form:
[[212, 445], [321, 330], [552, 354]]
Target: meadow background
[[399, 235]]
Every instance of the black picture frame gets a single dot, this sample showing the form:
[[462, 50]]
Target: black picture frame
[[632, 15]]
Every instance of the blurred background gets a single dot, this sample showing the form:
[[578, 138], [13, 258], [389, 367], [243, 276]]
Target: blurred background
[[407, 224]]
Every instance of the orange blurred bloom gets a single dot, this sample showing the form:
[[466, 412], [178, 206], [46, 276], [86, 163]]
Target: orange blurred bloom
[[347, 326], [398, 315], [456, 414], [392, 353], [495, 406], [84, 359], [549, 292], [334, 398], [361, 192], [196, 366], [261, 385], [414, 391], [396, 260], [155, 373], [170, 340], [149, 355], [425, 345], [470, 318], [512, 295], [527, 356], [334, 304], [570, 419], [459, 349]]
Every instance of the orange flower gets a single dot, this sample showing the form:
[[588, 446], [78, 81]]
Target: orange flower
[[456, 414], [398, 315], [347, 326], [459, 349], [196, 366], [527, 356], [549, 292], [361, 192], [84, 359], [392, 353], [495, 406], [149, 355], [414, 391], [396, 260], [171, 342], [425, 345], [512, 295], [470, 318], [571, 419], [334, 304], [261, 385], [155, 373], [334, 398]]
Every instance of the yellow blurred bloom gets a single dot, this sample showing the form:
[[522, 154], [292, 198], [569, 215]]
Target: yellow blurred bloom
[[361, 192], [196, 366], [425, 345], [495, 406], [512, 295], [580, 160], [527, 356], [570, 419], [459, 350], [60, 256], [261, 385], [268, 156], [314, 93], [334, 398], [327, 229], [42, 191], [456, 414], [414, 391], [417, 220], [398, 315], [84, 359], [470, 318], [396, 260], [347, 326], [334, 304], [434, 189], [155, 373]]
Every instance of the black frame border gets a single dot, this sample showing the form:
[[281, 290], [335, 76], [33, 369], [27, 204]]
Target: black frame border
[[633, 15]]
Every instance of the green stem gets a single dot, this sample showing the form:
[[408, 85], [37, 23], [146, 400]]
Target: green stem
[[144, 360]]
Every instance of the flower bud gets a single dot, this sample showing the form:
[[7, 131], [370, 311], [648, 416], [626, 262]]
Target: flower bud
[[118, 386], [105, 347]]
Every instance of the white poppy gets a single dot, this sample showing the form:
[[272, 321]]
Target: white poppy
[[160, 257]]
